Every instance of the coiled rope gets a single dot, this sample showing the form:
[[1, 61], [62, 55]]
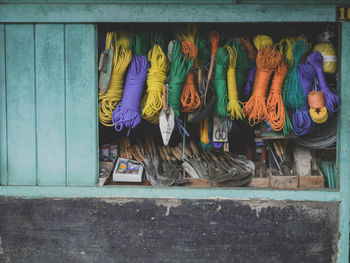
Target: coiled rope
[[267, 61], [275, 107], [301, 119], [205, 134], [294, 95], [245, 60], [190, 99], [180, 66], [234, 105], [332, 101], [219, 83], [127, 114], [113, 96], [152, 101]]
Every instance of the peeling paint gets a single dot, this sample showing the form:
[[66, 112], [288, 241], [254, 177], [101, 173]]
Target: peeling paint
[[121, 201], [168, 203], [259, 205], [1, 249]]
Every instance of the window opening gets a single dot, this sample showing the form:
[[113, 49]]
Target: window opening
[[249, 104]]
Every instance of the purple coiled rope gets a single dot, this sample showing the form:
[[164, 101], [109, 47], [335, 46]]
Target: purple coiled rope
[[302, 122], [248, 89], [332, 101], [127, 114]]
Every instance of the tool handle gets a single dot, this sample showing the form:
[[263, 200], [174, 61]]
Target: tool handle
[[139, 151], [176, 154], [194, 148], [187, 151], [166, 153], [200, 77], [212, 155], [164, 98], [100, 63], [161, 153], [134, 154]]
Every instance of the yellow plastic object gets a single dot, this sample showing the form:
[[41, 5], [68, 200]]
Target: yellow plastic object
[[319, 116], [329, 56]]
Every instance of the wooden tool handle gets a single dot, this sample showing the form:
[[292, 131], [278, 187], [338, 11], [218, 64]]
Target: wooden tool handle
[[102, 58], [139, 151], [211, 68], [164, 98], [200, 77], [277, 148], [176, 154], [187, 150], [165, 151], [194, 148], [161, 153], [212, 155], [134, 153]]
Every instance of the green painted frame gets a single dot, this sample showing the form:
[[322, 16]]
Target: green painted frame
[[94, 11]]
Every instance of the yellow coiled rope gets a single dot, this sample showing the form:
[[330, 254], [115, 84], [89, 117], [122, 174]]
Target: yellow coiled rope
[[262, 41], [152, 101], [113, 96], [234, 105]]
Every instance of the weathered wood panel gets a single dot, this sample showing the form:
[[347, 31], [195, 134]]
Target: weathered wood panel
[[50, 99], [94, 13], [3, 110], [81, 104], [158, 230], [21, 115]]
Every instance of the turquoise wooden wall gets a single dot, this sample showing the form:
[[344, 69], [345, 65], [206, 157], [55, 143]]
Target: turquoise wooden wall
[[48, 94], [48, 103]]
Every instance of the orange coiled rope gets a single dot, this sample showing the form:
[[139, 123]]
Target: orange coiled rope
[[246, 43], [275, 107], [267, 60], [190, 99]]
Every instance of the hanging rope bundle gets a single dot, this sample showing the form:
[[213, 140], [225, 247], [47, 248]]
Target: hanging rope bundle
[[190, 99], [332, 101], [245, 58], [301, 119], [127, 114], [248, 88], [262, 41], [267, 60], [294, 95], [106, 64], [234, 105], [152, 101], [180, 66], [219, 83], [139, 43], [113, 96], [275, 107], [205, 134]]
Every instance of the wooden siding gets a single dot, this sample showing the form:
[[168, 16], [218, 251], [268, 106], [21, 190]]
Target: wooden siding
[[48, 93]]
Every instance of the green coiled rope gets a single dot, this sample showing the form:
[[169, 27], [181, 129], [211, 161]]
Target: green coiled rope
[[220, 84], [294, 97], [242, 66], [180, 66], [288, 127]]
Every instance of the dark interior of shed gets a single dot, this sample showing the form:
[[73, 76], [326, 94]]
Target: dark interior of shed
[[273, 154]]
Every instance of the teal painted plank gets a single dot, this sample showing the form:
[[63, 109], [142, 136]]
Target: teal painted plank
[[115, 1], [50, 99], [91, 13], [81, 104], [3, 111], [344, 145], [170, 192], [21, 121]]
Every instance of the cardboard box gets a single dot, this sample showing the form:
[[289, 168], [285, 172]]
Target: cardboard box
[[127, 170]]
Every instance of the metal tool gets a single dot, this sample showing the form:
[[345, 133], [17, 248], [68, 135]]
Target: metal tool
[[166, 118]]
